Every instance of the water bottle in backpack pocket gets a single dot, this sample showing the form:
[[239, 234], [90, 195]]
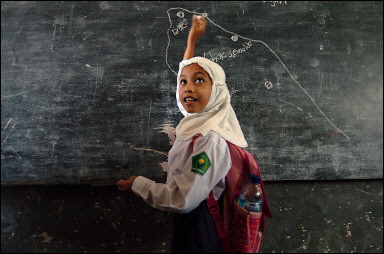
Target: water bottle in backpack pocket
[[251, 196]]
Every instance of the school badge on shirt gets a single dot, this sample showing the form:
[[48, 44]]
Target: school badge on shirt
[[200, 163]]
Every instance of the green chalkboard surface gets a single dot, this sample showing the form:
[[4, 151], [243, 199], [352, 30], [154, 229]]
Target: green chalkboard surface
[[88, 87]]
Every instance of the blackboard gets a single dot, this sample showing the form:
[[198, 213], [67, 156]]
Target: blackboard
[[88, 88]]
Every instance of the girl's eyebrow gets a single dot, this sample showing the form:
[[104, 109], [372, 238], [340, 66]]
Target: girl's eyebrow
[[194, 74], [197, 73]]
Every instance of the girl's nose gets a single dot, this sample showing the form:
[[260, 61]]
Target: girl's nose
[[189, 87]]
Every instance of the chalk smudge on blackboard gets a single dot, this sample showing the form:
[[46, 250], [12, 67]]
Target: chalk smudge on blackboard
[[168, 129], [97, 75], [234, 37], [59, 20], [147, 150]]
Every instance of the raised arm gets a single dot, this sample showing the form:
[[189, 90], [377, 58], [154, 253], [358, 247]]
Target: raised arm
[[199, 23]]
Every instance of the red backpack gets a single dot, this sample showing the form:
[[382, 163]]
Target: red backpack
[[240, 231]]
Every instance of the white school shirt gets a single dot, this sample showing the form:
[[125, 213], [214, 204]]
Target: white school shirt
[[185, 189]]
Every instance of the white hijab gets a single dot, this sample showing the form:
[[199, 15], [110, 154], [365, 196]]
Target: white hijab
[[218, 115]]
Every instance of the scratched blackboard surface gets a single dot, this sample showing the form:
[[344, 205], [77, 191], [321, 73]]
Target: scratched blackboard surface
[[88, 88]]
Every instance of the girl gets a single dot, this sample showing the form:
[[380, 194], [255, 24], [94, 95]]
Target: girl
[[195, 169]]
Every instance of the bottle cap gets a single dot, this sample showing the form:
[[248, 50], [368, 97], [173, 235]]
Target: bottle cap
[[254, 178]]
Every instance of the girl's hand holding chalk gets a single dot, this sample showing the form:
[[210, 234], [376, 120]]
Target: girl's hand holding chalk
[[199, 24]]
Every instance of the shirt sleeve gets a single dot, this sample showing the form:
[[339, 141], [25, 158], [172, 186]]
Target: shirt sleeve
[[185, 190]]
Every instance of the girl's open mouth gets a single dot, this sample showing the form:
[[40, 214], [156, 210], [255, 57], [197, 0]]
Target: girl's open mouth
[[189, 100]]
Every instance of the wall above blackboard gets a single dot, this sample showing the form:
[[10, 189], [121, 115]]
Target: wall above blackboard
[[88, 88]]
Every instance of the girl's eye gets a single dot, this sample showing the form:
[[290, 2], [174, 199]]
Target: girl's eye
[[199, 80], [182, 82]]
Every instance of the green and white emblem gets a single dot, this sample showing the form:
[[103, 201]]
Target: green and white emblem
[[200, 163]]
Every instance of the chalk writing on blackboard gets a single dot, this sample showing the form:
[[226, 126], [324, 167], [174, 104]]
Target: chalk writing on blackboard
[[274, 3], [268, 84], [232, 53]]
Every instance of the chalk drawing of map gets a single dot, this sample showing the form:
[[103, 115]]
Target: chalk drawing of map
[[245, 48]]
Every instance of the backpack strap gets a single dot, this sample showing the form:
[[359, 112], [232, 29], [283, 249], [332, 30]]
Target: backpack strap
[[214, 210], [194, 141]]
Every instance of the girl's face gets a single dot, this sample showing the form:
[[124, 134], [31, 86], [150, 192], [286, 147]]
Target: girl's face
[[195, 88]]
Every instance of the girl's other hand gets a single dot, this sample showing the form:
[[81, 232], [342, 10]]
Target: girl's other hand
[[125, 185]]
